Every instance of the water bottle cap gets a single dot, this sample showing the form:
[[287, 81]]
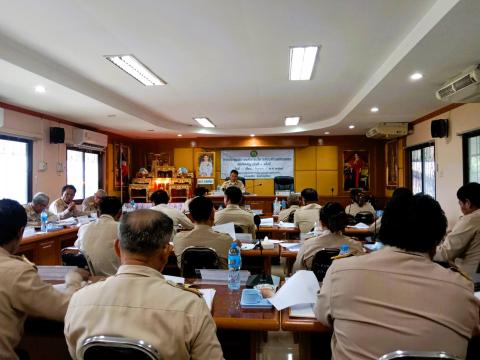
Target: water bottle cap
[[265, 238], [344, 248], [234, 245]]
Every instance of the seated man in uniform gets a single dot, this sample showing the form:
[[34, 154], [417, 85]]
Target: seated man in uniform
[[90, 204], [96, 239], [233, 181], [34, 209], [462, 244], [397, 297], [309, 214], [202, 213], [22, 292], [199, 191], [359, 204], [160, 199], [65, 207], [293, 203], [138, 302], [233, 212]]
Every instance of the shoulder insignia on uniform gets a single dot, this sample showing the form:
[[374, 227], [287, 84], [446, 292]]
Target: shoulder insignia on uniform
[[25, 260], [184, 287], [342, 256], [456, 269]]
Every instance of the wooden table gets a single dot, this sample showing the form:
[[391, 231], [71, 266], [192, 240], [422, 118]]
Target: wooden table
[[290, 256], [360, 233]]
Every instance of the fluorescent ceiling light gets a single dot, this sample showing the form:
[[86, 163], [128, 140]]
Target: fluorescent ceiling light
[[40, 89], [327, 132], [374, 109], [136, 69], [302, 61], [292, 120], [351, 126], [205, 122], [416, 76]]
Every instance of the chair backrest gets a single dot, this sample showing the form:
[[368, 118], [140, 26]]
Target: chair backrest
[[238, 228], [322, 261], [418, 355], [118, 348], [196, 257], [72, 256], [283, 183], [365, 217], [257, 221]]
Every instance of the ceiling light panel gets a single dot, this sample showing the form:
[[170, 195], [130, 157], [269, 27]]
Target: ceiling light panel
[[302, 62], [292, 120], [205, 122], [133, 67]]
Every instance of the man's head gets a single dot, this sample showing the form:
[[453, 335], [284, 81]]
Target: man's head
[[13, 219], [293, 199], [332, 215], [98, 196], [200, 191], [110, 205], [160, 197], [233, 175], [201, 210], [233, 195], [309, 195], [413, 223], [68, 193], [469, 197], [40, 202], [401, 193], [144, 237]]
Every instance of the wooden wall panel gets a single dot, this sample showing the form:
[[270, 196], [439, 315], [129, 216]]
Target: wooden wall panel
[[305, 179], [326, 180]]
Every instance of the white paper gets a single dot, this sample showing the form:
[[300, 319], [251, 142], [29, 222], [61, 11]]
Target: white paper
[[228, 228], [257, 211], [303, 311], [221, 275], [477, 295], [248, 246], [266, 222], [291, 246], [208, 295], [69, 221], [243, 237], [277, 241], [301, 288], [359, 226], [175, 279], [287, 225]]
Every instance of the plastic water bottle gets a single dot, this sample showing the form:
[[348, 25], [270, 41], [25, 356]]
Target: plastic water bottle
[[43, 220], [234, 264], [133, 205], [284, 204], [344, 249], [220, 207]]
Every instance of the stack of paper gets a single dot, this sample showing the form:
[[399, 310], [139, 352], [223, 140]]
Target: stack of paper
[[266, 222], [291, 246], [286, 225]]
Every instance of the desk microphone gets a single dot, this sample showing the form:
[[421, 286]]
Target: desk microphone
[[257, 221]]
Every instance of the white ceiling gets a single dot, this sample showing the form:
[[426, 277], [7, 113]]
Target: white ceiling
[[228, 60]]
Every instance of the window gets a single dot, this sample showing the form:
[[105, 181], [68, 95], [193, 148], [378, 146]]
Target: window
[[16, 162], [471, 157], [422, 169], [83, 171]]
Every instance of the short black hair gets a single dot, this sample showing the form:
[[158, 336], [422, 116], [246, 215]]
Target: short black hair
[[12, 218], [160, 197], [110, 205], [200, 191], [402, 192], [68, 186], [200, 208], [333, 215], [470, 191], [413, 223], [234, 194], [309, 194], [234, 171]]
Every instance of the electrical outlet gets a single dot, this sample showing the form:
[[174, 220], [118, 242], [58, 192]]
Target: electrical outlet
[[59, 167], [42, 165]]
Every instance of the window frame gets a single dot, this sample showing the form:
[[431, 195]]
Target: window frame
[[410, 172], [466, 163], [100, 154]]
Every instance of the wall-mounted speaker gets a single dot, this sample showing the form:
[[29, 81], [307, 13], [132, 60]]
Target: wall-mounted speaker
[[57, 135], [439, 128]]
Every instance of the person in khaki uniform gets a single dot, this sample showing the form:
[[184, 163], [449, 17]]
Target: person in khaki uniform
[[34, 209], [233, 212], [309, 214], [203, 213], [233, 182], [293, 203], [199, 191], [90, 204], [160, 199], [462, 244], [334, 220], [397, 298], [22, 292], [139, 303], [65, 207], [359, 204]]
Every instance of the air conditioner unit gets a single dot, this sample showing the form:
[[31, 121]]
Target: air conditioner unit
[[89, 139], [463, 88], [388, 130]]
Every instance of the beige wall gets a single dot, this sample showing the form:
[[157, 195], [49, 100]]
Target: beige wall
[[448, 154]]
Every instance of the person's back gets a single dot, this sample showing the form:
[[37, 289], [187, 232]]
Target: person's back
[[306, 217], [233, 212], [160, 200]]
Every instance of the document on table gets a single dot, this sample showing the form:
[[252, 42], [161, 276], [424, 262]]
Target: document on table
[[228, 228], [248, 246], [221, 275], [291, 246], [302, 310], [175, 279], [301, 288], [243, 237], [360, 226], [67, 222], [286, 225], [266, 222], [477, 295], [208, 295]]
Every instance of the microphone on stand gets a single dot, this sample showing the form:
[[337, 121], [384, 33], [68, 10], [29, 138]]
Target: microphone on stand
[[257, 221]]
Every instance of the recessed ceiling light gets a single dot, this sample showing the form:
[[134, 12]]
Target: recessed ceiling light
[[302, 61], [351, 126], [179, 135], [133, 67], [374, 109], [40, 89], [205, 122], [292, 120], [416, 76], [327, 132], [252, 135]]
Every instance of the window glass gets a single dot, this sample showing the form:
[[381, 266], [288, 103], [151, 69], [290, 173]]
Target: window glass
[[83, 171], [15, 163], [417, 174], [422, 169], [429, 170], [474, 159], [91, 173]]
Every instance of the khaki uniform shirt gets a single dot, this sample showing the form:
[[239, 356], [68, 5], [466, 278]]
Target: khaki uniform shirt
[[22, 294], [233, 213], [285, 213], [354, 209], [139, 303], [88, 205], [96, 242], [462, 244], [185, 208], [392, 299], [33, 218], [238, 184], [177, 217], [326, 240], [203, 235], [60, 208], [307, 216]]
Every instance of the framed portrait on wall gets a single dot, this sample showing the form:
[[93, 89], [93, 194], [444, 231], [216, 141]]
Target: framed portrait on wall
[[356, 170], [122, 165], [392, 164], [205, 164]]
